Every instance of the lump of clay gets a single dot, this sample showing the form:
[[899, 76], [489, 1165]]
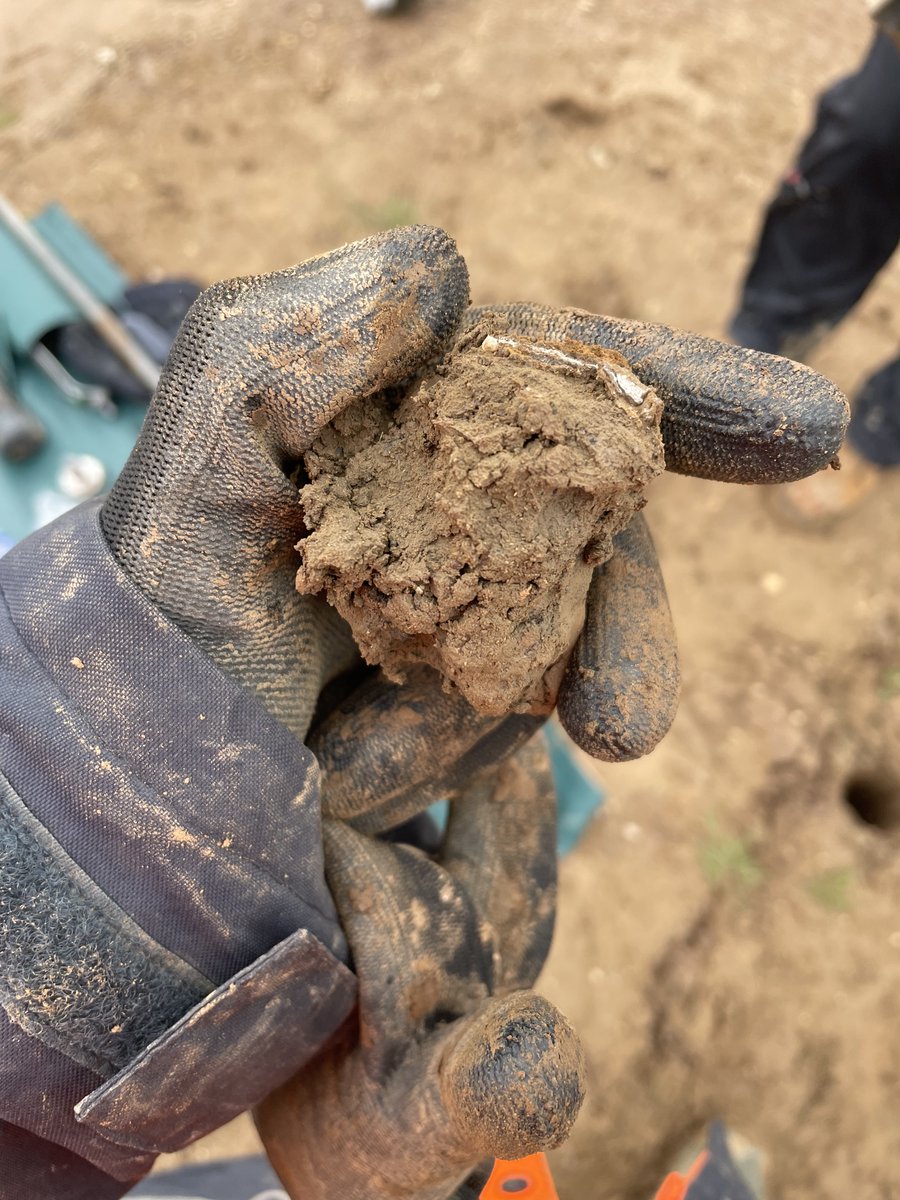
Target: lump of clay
[[457, 525]]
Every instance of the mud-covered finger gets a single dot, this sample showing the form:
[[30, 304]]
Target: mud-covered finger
[[419, 948], [299, 344], [389, 750], [513, 1081], [501, 740], [620, 690], [729, 414], [505, 1081], [501, 846], [385, 740]]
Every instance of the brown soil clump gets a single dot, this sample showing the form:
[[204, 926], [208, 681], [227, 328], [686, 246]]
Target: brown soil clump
[[458, 524]]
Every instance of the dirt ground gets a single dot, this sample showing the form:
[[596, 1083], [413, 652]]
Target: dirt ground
[[729, 931]]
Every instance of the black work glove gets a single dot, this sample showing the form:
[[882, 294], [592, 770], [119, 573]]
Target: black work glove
[[203, 523], [451, 1060], [205, 519], [205, 516]]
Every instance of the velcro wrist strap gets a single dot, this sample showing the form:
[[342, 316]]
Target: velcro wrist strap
[[228, 1052]]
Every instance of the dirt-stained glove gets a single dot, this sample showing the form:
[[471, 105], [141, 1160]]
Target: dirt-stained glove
[[205, 517], [449, 1062], [452, 1061], [171, 949], [179, 818], [729, 414]]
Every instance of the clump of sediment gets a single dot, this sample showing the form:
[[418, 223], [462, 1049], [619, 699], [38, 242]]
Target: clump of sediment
[[458, 524]]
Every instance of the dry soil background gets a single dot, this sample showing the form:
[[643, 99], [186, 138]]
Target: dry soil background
[[729, 931]]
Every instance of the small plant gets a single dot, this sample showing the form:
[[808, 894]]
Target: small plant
[[889, 684], [727, 860], [831, 889], [8, 116], [389, 214]]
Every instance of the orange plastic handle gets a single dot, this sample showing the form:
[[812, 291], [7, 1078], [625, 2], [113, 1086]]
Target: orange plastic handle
[[525, 1179], [675, 1186]]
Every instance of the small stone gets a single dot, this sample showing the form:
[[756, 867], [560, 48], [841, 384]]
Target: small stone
[[600, 157]]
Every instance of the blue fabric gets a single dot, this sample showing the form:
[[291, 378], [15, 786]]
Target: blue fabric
[[578, 796], [243, 1041], [231, 861], [34, 1169], [29, 493], [31, 302], [30, 306]]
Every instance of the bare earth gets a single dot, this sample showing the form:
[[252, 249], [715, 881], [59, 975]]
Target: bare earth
[[729, 931]]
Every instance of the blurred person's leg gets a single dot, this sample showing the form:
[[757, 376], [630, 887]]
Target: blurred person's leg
[[835, 220], [874, 432]]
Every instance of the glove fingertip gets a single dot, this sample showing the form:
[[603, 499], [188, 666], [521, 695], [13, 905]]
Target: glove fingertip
[[424, 261], [620, 691], [729, 414], [514, 1082], [612, 733], [755, 419]]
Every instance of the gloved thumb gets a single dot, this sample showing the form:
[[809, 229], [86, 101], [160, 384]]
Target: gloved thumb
[[512, 1081], [504, 1082]]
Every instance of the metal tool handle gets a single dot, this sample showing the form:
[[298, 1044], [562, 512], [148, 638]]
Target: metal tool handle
[[94, 311], [21, 433], [76, 392]]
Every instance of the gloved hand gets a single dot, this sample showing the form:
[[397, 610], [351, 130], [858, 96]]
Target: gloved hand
[[203, 522], [205, 519], [452, 1060], [408, 1102], [162, 893]]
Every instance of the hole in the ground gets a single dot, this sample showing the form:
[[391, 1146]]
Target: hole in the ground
[[874, 798]]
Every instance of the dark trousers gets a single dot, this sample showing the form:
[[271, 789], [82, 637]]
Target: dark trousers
[[831, 227]]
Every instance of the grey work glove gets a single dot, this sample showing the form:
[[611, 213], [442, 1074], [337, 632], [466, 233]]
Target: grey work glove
[[452, 1060], [447, 1052], [205, 516]]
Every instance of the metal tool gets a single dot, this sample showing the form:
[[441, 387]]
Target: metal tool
[[102, 319], [91, 394], [21, 433]]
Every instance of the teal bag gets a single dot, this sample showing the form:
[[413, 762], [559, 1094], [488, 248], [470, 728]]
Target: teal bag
[[30, 306]]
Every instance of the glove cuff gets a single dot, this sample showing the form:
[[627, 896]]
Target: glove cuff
[[160, 867], [243, 1040]]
